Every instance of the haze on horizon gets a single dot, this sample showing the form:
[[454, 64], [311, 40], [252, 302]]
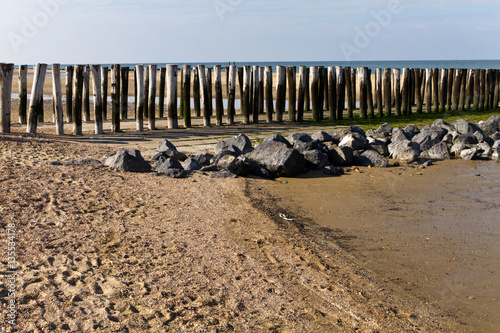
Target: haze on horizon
[[149, 31]]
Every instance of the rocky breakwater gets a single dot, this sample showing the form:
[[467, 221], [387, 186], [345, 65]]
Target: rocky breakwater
[[331, 152]]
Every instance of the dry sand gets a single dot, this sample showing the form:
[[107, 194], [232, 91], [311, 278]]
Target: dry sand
[[103, 251]]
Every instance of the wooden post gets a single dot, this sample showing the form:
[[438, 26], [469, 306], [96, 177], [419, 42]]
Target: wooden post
[[23, 93], [240, 85], [455, 94], [292, 93], [152, 97], [482, 89], [139, 113], [233, 70], [469, 90], [124, 92], [219, 105], [314, 92], [362, 77], [78, 98], [449, 88], [325, 89], [268, 92], [496, 87], [397, 91], [6, 75], [196, 92], [186, 96], [36, 102], [136, 98], [378, 91], [463, 86], [250, 98], [418, 91], [369, 91], [489, 89], [387, 90], [104, 91], [86, 94], [245, 102], [307, 96], [69, 93], [146, 92], [280, 93], [348, 93], [412, 91], [261, 90], [405, 91], [256, 94], [353, 87], [477, 89], [115, 98], [301, 93], [321, 91], [171, 83], [340, 89], [161, 94], [57, 98], [428, 90], [96, 86], [443, 89], [204, 95], [332, 92], [435, 89], [208, 75]]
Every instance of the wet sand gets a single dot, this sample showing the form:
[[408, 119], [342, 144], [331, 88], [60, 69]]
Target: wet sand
[[432, 234]]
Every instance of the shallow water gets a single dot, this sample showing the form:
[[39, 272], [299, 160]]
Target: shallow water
[[433, 233]]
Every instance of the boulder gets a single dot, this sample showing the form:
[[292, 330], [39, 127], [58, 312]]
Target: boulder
[[436, 133], [241, 142], [398, 134], [128, 161], [215, 160], [470, 154], [437, 152], [225, 160], [322, 136], [333, 171], [444, 125], [380, 147], [340, 155], [299, 136], [424, 141], [191, 165], [243, 166], [173, 173], [486, 148], [169, 150], [464, 127], [411, 130], [496, 153], [466, 139], [223, 174], [457, 148], [315, 159], [168, 163], [278, 158], [355, 141], [489, 127], [384, 128], [203, 159], [405, 151], [279, 138], [371, 157], [479, 136]]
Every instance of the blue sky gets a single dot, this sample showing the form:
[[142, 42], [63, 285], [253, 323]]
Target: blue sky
[[111, 31]]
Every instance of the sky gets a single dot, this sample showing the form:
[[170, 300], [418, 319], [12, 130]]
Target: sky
[[177, 31]]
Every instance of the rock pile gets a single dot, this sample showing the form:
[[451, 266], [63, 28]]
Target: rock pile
[[278, 156]]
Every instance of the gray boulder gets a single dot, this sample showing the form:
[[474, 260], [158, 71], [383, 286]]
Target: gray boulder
[[479, 136], [470, 154], [191, 165], [380, 148], [437, 152], [169, 163], [424, 141], [436, 133], [496, 153], [457, 148], [225, 160], [128, 161], [354, 140], [278, 158], [340, 155], [169, 150], [243, 166], [215, 160], [371, 157], [485, 147], [241, 142], [322, 136], [384, 128], [405, 151], [315, 159], [464, 127], [173, 173], [333, 171], [489, 127], [444, 125], [279, 138], [466, 139], [299, 136], [398, 134], [203, 159], [411, 130], [223, 174]]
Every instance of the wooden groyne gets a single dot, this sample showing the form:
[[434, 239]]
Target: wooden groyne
[[335, 93]]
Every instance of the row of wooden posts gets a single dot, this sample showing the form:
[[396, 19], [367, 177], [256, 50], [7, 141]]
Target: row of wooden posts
[[334, 89]]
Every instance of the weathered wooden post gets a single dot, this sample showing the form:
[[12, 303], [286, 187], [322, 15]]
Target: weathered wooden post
[[245, 102], [219, 105], [231, 99], [161, 93], [204, 95], [307, 96], [280, 93], [36, 102], [78, 99], [186, 95], [443, 89], [387, 90], [477, 89], [136, 98], [240, 85], [369, 91], [146, 92], [171, 83], [405, 91], [104, 91], [23, 93], [321, 91], [348, 93], [268, 91], [196, 92], [469, 90], [362, 78], [69, 93], [208, 75], [378, 91], [292, 93], [353, 87], [435, 90], [261, 90], [489, 89], [255, 94], [96, 86], [152, 97], [449, 88], [301, 93], [397, 91], [124, 92], [139, 113], [463, 87], [314, 93], [496, 87], [86, 94], [428, 90], [57, 98], [455, 94], [332, 92], [115, 98], [340, 89], [6, 75], [250, 99], [418, 91], [325, 89], [482, 88]]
